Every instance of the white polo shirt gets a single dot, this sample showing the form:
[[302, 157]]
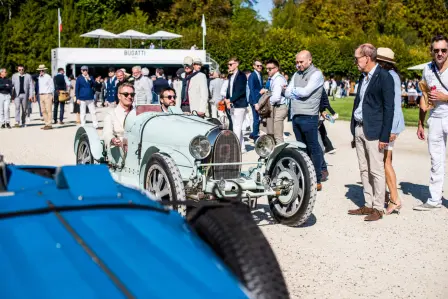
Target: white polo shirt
[[440, 108]]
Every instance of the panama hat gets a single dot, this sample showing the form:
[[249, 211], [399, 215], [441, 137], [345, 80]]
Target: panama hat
[[188, 61], [386, 54], [41, 67], [197, 60]]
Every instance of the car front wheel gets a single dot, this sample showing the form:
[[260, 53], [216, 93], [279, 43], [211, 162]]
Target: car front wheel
[[164, 182], [84, 153], [235, 237], [294, 176]]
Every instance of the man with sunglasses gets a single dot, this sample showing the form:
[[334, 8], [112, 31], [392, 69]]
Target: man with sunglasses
[[236, 101], [435, 74], [23, 95], [113, 130], [194, 87], [167, 98], [255, 83], [371, 124]]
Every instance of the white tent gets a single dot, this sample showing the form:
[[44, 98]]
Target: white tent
[[418, 67], [164, 35], [99, 34], [132, 34]]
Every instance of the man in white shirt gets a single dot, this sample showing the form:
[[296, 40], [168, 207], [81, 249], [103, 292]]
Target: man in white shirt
[[143, 86], [275, 123], [436, 76], [46, 91], [113, 130]]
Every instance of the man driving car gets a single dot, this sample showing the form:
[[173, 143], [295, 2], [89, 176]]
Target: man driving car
[[113, 130]]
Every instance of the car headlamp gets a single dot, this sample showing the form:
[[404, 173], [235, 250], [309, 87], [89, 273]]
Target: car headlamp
[[264, 146], [200, 147]]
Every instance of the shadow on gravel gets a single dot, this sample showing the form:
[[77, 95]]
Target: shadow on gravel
[[417, 191], [355, 194], [262, 217]]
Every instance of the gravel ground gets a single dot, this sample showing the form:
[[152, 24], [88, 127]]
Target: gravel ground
[[333, 255]]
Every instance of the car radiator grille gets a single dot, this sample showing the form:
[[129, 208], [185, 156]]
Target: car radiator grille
[[227, 149]]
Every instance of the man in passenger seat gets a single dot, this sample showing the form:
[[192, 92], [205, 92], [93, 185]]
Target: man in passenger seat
[[167, 98]]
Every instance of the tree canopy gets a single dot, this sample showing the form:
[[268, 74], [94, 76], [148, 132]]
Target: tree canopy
[[330, 29]]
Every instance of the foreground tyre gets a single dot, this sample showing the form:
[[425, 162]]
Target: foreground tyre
[[84, 153], [235, 237], [164, 181], [293, 173]]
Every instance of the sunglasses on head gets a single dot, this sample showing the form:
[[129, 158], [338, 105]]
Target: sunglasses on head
[[436, 51], [126, 94], [170, 97]]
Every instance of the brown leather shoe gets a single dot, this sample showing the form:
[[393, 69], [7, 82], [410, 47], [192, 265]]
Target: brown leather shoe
[[48, 127], [319, 187], [376, 215], [361, 211]]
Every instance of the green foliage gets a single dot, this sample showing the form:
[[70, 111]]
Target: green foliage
[[330, 29]]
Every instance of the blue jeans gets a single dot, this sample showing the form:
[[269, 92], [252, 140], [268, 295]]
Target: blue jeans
[[256, 122], [305, 129]]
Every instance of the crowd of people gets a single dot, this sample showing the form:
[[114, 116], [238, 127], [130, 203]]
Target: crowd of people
[[249, 101]]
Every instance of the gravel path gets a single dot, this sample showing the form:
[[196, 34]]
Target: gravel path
[[334, 255]]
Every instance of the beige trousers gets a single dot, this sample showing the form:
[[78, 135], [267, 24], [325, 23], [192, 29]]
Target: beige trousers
[[46, 103], [274, 125], [371, 166]]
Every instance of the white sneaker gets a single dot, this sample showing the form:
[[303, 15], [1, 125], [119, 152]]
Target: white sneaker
[[28, 120], [427, 207]]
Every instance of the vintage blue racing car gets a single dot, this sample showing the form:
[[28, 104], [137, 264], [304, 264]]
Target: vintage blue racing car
[[74, 232], [177, 157]]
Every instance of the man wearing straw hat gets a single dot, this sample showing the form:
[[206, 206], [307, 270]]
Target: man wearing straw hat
[[46, 91]]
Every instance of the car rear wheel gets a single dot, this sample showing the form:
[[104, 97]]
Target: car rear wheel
[[293, 173], [164, 182], [235, 237], [84, 153]]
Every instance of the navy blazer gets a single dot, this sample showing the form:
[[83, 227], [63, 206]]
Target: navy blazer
[[84, 88], [238, 98], [254, 87], [377, 106]]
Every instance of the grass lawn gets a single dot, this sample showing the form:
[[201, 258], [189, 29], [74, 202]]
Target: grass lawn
[[344, 108]]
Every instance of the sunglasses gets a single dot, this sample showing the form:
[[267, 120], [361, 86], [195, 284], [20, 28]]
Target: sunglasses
[[126, 94], [270, 69], [258, 65], [230, 64], [436, 51], [84, 70], [187, 65], [170, 97]]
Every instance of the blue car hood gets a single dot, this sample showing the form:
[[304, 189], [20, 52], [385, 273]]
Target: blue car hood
[[94, 252]]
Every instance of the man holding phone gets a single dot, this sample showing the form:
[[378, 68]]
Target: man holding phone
[[436, 76]]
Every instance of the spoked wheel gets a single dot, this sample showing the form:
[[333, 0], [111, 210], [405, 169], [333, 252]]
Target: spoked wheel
[[84, 153], [164, 181], [294, 175]]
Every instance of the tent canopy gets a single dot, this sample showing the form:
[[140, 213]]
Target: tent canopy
[[164, 35], [133, 35], [99, 33], [418, 67]]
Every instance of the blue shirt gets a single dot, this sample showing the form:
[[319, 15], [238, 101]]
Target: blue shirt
[[365, 84]]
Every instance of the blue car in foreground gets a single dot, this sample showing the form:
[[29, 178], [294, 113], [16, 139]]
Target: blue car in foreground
[[73, 232]]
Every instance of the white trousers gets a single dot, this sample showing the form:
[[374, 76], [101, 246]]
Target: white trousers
[[248, 119], [5, 100], [92, 110], [238, 115], [438, 131]]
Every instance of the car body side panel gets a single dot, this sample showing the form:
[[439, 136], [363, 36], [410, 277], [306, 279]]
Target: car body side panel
[[96, 145]]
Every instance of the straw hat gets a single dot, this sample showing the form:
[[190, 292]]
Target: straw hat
[[385, 54], [41, 67]]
